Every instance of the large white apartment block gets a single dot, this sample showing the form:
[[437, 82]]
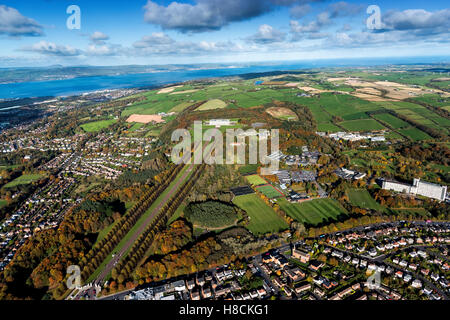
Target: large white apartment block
[[418, 187]]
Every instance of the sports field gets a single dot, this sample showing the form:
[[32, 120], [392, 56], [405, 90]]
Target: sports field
[[313, 212], [24, 179], [361, 198], [255, 180], [269, 191], [262, 218], [97, 125]]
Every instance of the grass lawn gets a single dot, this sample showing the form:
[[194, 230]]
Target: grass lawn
[[9, 167], [255, 180], [270, 192], [24, 179], [262, 217], [313, 212], [361, 198], [248, 168], [178, 213], [136, 126], [97, 125]]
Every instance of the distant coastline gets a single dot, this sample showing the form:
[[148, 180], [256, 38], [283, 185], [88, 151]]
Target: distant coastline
[[74, 85]]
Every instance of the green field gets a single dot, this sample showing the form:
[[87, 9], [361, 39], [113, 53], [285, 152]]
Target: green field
[[3, 203], [9, 167], [262, 217], [136, 126], [328, 127], [418, 113], [180, 107], [24, 179], [313, 212], [255, 180], [361, 198], [362, 125], [212, 104], [391, 120], [415, 134], [270, 192], [97, 125]]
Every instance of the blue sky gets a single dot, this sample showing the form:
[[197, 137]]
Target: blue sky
[[34, 33]]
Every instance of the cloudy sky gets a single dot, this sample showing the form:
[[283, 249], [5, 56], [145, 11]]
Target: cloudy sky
[[35, 33]]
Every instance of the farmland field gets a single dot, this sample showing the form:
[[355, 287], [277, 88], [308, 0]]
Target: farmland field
[[256, 180], [313, 212], [415, 134], [24, 179], [361, 198], [97, 125], [362, 125], [270, 192], [392, 121], [262, 218], [328, 127], [212, 104]]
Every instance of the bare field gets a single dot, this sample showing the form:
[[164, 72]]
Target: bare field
[[395, 91], [282, 113], [168, 90], [141, 118]]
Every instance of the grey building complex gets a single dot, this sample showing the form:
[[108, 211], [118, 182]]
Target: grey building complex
[[418, 187]]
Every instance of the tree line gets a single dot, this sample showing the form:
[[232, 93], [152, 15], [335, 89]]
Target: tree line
[[124, 268], [92, 260]]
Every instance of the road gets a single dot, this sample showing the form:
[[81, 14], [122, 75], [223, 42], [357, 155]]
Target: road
[[382, 259], [287, 246], [118, 255]]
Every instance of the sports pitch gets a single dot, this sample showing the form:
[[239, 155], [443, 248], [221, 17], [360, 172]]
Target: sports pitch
[[313, 212], [262, 217], [255, 180], [270, 191]]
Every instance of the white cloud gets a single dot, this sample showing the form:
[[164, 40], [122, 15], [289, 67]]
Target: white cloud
[[267, 34], [13, 23], [417, 19], [99, 37], [52, 49]]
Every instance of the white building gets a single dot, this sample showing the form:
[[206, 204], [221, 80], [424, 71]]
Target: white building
[[219, 122], [426, 189]]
